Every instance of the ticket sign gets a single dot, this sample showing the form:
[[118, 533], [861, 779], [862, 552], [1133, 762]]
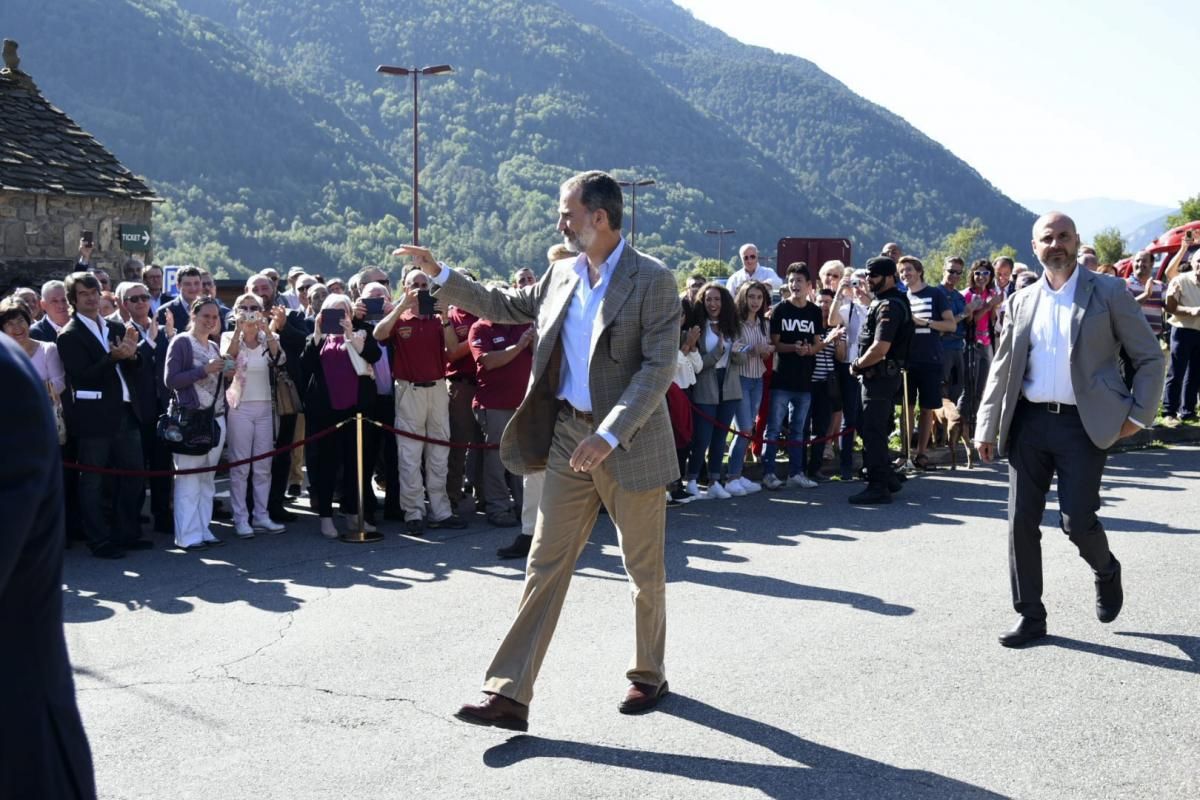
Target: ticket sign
[[135, 238]]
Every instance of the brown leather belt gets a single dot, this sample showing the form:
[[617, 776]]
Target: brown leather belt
[[586, 416]]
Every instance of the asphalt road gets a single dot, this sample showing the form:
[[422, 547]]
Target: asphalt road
[[814, 650]]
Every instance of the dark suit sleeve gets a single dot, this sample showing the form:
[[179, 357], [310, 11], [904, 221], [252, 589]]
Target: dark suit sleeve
[[81, 366], [26, 429]]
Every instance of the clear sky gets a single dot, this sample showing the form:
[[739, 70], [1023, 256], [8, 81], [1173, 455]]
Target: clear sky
[[1055, 99]]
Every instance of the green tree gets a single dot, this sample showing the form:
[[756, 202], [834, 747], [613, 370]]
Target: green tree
[[1189, 211], [1008, 251], [1109, 244], [963, 243]]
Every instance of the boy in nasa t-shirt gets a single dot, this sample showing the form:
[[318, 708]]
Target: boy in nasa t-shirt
[[796, 325]]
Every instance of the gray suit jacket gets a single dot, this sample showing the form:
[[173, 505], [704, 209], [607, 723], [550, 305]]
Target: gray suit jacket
[[632, 363], [1104, 318]]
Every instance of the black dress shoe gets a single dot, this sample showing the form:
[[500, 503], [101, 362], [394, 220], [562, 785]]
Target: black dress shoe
[[497, 711], [108, 550], [875, 493], [641, 697], [1109, 594], [221, 514], [519, 547], [293, 490], [281, 514], [1026, 631], [414, 527]]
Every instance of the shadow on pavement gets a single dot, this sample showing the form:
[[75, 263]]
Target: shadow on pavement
[[816, 770], [1190, 645]]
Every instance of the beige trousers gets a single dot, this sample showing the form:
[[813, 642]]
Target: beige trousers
[[566, 515]]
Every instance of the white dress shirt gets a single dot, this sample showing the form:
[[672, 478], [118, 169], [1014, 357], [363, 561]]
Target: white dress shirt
[[578, 330], [100, 331], [761, 274], [1048, 370]]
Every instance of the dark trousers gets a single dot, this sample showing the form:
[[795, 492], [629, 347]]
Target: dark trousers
[[379, 448], [74, 522], [463, 429], [155, 456], [851, 416], [330, 463], [878, 399], [819, 413], [121, 449], [281, 465], [1042, 444], [1183, 373], [952, 375]]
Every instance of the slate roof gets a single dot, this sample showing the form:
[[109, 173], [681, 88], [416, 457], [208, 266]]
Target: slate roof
[[43, 150]]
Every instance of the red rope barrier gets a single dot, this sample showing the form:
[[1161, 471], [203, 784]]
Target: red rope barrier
[[427, 440], [763, 439], [164, 473]]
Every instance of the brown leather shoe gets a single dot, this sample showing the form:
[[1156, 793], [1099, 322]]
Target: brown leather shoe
[[642, 697], [498, 711]]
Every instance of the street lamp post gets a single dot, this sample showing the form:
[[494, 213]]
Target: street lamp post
[[415, 72], [633, 187], [720, 233]]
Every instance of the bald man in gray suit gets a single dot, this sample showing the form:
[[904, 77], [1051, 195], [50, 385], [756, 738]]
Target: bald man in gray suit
[[1055, 403]]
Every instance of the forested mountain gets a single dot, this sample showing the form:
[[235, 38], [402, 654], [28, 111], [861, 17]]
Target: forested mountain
[[265, 126]]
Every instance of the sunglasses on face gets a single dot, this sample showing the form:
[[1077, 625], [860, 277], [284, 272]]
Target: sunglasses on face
[[249, 308], [750, 258], [984, 274], [138, 298], [954, 272]]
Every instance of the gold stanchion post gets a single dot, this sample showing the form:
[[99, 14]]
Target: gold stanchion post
[[906, 426], [360, 535]]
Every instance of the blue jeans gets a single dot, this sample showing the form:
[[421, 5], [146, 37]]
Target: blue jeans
[[1183, 374], [747, 411], [781, 401], [709, 437]]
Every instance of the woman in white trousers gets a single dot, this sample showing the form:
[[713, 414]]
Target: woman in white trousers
[[254, 347], [194, 374]]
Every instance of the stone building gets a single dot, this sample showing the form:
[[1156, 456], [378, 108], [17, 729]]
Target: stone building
[[56, 181]]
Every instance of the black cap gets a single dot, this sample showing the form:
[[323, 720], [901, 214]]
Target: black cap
[[881, 266]]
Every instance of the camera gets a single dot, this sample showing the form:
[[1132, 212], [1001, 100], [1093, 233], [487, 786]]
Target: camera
[[854, 282], [248, 316]]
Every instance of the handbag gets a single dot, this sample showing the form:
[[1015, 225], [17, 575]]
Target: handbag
[[287, 396], [189, 431]]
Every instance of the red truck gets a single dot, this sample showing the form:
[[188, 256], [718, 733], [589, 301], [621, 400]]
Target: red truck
[[1163, 249]]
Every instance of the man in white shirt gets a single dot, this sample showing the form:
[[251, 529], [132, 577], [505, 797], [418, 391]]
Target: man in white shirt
[[1056, 403], [750, 272]]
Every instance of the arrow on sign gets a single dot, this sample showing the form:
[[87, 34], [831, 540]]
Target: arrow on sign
[[146, 238]]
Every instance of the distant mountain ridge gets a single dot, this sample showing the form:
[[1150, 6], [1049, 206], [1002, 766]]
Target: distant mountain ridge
[[266, 127], [1131, 217]]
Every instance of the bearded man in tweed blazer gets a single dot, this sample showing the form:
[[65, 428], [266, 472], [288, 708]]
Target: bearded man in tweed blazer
[[595, 419]]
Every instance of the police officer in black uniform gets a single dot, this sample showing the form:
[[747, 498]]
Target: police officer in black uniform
[[882, 347]]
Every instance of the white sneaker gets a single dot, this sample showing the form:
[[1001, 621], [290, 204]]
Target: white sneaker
[[748, 486], [717, 492], [803, 481], [771, 482], [243, 530], [694, 491], [265, 523], [734, 487]]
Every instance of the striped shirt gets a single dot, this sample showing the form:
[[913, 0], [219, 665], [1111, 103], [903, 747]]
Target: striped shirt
[[753, 333], [1152, 309]]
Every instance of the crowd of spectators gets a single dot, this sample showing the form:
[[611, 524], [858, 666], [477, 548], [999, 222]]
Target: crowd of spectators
[[764, 368], [796, 336]]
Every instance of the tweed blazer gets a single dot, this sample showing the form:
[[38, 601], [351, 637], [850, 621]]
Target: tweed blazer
[[1104, 318], [632, 363]]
